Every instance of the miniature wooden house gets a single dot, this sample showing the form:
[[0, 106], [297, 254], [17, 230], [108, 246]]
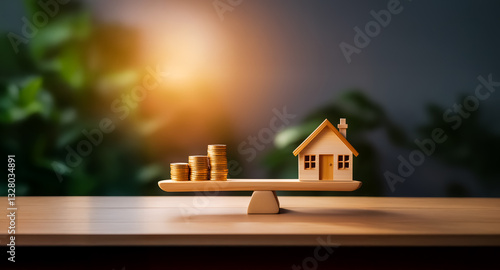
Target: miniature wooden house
[[326, 154]]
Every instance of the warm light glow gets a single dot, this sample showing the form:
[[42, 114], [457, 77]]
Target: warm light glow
[[213, 72], [189, 46]]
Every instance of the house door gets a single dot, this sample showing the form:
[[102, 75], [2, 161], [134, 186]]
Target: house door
[[325, 167]]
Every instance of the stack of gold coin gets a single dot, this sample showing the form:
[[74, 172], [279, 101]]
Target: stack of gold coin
[[179, 171], [199, 168], [218, 162]]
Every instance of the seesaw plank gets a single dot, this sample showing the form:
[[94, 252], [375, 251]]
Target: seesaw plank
[[258, 185]]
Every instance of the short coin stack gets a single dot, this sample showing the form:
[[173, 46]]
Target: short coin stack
[[218, 162], [199, 168], [179, 171]]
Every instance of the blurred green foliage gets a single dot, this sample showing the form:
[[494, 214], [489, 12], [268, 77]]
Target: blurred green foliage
[[51, 91], [472, 145]]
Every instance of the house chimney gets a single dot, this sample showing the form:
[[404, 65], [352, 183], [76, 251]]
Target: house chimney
[[342, 127]]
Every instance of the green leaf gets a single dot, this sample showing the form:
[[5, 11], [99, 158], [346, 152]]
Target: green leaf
[[29, 92], [62, 31], [47, 103], [72, 67], [13, 91]]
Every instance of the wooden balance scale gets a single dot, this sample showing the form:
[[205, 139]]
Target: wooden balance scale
[[264, 199]]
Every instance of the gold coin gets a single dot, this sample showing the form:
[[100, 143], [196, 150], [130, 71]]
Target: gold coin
[[199, 166], [218, 162], [179, 171]]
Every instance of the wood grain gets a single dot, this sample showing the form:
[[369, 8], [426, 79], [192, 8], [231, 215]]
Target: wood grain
[[260, 185], [201, 220]]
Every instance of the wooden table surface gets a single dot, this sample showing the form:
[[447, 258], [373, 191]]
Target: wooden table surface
[[201, 220]]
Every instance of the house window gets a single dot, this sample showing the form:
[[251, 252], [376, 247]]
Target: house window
[[343, 163], [309, 162]]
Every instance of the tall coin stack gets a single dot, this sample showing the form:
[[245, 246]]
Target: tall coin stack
[[199, 168], [179, 171], [218, 162]]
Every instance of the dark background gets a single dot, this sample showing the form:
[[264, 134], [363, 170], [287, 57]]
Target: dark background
[[127, 258], [63, 66]]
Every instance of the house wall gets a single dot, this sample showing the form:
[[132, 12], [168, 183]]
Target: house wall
[[325, 143]]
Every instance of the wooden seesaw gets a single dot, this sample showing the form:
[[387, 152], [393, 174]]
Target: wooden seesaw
[[264, 199]]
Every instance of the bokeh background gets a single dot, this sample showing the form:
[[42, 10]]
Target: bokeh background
[[98, 97]]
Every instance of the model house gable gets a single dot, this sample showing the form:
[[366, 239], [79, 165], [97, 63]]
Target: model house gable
[[326, 142], [318, 130]]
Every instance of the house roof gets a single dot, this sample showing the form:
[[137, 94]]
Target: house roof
[[318, 130]]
